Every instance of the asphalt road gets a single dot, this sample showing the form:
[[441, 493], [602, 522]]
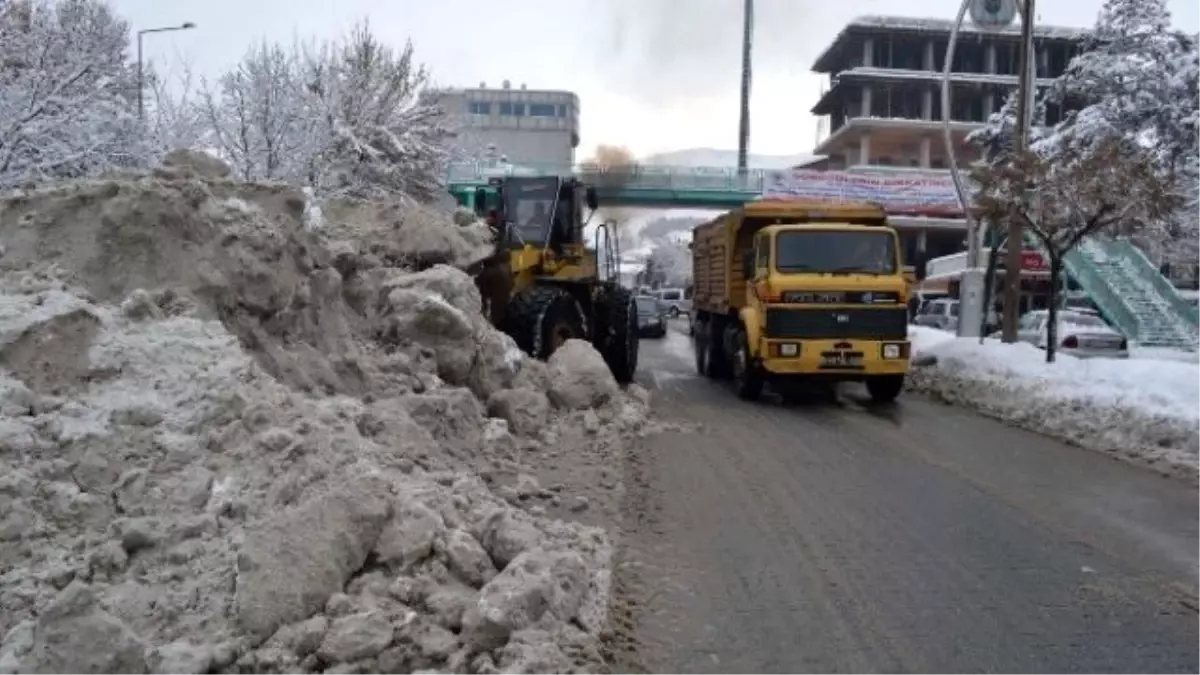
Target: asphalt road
[[842, 537]]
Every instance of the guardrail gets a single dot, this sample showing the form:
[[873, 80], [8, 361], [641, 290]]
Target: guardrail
[[713, 179]]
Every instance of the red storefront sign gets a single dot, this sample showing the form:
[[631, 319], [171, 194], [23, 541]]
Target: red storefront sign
[[1033, 261]]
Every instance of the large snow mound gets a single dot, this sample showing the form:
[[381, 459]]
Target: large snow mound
[[229, 443], [1141, 410]]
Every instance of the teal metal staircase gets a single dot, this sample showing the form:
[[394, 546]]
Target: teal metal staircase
[[1132, 294]]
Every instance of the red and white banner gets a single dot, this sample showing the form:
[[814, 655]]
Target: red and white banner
[[900, 193]]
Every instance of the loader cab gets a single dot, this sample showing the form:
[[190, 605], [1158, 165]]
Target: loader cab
[[543, 212]]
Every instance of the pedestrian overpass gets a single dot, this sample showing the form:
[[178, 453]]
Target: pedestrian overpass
[[929, 194], [650, 187], [1117, 276]]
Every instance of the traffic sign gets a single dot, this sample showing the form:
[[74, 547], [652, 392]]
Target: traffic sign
[[993, 14]]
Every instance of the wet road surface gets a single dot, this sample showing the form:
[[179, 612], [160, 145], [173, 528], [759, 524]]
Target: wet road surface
[[843, 537]]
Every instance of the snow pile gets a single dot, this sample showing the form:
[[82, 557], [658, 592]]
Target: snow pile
[[408, 234], [1140, 410], [229, 444]]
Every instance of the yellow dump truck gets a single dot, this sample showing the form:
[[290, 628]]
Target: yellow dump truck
[[791, 293]]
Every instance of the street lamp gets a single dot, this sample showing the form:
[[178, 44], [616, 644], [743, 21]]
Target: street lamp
[[744, 113], [988, 15], [141, 85]]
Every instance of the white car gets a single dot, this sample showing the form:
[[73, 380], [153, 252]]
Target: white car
[[673, 302], [1081, 334], [941, 313]]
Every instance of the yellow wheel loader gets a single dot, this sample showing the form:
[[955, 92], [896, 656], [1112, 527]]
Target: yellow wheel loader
[[544, 285]]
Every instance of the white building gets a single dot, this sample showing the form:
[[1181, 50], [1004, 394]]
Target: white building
[[535, 127]]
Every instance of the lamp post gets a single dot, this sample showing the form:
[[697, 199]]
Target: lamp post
[[141, 84], [1027, 64], [988, 15], [744, 120]]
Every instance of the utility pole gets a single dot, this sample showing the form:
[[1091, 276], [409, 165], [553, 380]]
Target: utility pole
[[1025, 94], [141, 82], [744, 122]]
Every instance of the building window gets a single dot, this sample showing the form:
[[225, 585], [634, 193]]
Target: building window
[[1006, 58], [562, 111], [479, 107], [513, 109], [541, 110]]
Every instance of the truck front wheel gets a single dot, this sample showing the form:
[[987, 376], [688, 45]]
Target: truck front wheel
[[885, 388], [747, 376]]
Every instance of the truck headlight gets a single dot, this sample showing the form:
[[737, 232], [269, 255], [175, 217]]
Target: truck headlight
[[788, 349], [891, 351]]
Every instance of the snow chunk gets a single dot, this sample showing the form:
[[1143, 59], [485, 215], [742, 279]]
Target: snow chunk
[[293, 562], [579, 377]]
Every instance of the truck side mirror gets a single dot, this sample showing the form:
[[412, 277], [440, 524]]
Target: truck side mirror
[[480, 201], [748, 265], [593, 201]]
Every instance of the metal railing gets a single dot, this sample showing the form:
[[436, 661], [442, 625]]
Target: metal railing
[[697, 179], [1100, 288], [1140, 264]]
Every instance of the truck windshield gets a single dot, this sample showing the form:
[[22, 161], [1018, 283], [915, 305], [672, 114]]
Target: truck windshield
[[528, 205], [835, 252]]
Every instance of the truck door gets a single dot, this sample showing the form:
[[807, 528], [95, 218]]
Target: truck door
[[762, 256]]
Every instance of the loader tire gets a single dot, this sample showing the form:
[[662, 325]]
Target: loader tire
[[542, 318], [620, 346]]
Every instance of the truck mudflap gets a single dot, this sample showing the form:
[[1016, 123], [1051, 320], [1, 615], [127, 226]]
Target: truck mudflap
[[849, 358]]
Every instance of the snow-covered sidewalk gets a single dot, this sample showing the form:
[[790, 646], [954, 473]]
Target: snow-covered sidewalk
[[1143, 410]]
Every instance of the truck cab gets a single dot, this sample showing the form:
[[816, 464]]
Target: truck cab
[[813, 294]]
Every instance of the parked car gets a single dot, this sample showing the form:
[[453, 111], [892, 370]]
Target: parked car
[[941, 313], [652, 318], [1081, 334], [673, 301]]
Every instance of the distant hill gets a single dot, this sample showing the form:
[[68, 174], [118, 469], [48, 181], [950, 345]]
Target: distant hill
[[714, 157]]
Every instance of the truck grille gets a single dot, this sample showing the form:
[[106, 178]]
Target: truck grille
[[856, 323]]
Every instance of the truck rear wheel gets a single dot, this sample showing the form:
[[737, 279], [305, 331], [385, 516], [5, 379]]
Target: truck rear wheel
[[542, 318], [712, 336], [699, 348], [747, 376], [620, 350], [885, 388]]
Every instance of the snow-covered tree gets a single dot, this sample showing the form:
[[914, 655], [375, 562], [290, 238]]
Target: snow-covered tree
[[997, 138], [175, 117], [66, 91], [1179, 243], [1068, 187], [382, 139], [344, 118], [669, 263], [1139, 75], [259, 115], [1137, 78]]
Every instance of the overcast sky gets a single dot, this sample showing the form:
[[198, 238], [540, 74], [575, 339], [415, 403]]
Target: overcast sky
[[654, 75]]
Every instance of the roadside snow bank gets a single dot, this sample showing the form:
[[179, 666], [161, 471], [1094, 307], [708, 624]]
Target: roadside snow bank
[[1142, 410], [229, 443]]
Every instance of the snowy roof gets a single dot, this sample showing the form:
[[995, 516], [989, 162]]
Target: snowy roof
[[827, 61]]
